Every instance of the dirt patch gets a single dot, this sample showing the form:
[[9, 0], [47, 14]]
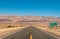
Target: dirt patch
[[53, 31], [6, 31]]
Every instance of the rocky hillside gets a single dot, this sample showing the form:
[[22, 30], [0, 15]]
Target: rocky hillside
[[15, 19], [23, 20]]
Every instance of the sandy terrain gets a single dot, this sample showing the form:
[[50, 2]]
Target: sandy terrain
[[54, 31], [6, 31]]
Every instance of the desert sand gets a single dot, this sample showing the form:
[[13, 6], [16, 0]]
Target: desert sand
[[53, 31], [6, 31]]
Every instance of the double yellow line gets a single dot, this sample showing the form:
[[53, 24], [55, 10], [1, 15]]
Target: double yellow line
[[31, 36]]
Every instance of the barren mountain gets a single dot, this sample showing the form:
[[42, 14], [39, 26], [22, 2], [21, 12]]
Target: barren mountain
[[23, 20], [28, 19]]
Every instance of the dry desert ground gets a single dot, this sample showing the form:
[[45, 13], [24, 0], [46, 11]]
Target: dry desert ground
[[6, 31], [53, 31]]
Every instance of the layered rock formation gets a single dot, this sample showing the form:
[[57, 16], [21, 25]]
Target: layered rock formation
[[27, 20]]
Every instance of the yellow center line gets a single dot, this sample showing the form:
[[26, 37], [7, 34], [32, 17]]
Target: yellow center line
[[30, 36]]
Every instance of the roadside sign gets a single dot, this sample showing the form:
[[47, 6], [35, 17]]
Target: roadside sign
[[52, 24]]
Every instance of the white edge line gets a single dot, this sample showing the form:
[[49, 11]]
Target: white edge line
[[10, 34], [50, 34]]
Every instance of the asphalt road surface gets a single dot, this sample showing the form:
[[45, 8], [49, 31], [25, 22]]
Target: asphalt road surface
[[30, 33]]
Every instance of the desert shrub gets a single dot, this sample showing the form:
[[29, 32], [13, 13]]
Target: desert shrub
[[9, 26]]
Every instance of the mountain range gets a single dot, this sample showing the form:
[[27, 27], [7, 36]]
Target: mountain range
[[17, 19], [6, 20]]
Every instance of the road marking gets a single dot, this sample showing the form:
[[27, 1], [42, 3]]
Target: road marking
[[11, 33], [30, 36], [31, 31], [50, 34]]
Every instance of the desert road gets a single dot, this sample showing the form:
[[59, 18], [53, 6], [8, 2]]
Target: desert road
[[30, 33]]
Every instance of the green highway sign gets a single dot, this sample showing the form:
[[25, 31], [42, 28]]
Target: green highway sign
[[52, 24]]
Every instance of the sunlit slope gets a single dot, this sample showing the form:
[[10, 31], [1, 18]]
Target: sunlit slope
[[26, 20]]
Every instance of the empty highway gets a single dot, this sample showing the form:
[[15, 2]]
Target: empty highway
[[30, 33]]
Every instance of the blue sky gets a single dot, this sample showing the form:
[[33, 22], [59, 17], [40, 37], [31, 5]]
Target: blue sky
[[30, 7]]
